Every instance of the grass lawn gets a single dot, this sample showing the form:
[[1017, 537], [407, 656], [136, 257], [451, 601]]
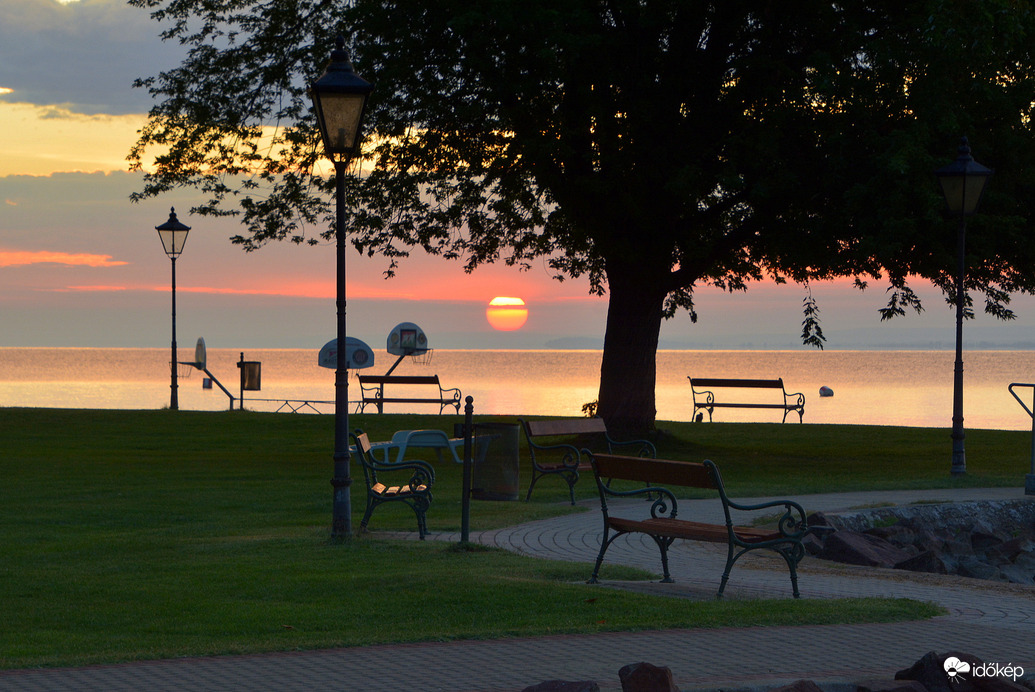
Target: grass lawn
[[147, 534]]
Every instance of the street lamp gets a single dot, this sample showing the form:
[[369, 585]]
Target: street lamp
[[962, 183], [173, 235], [340, 98]]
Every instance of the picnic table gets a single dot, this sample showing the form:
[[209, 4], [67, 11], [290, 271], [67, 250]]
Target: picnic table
[[403, 440]]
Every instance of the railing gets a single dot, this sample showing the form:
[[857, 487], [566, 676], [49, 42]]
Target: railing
[[294, 405], [1029, 480]]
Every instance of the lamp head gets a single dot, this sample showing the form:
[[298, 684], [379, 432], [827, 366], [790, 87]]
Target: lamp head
[[340, 99], [963, 181], [173, 235]]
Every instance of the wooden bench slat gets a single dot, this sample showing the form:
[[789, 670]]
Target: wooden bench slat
[[571, 426], [719, 382], [399, 379], [687, 474]]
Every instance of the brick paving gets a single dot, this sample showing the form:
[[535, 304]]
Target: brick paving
[[994, 622]]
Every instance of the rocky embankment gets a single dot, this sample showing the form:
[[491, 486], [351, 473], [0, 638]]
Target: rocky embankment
[[952, 671], [992, 540]]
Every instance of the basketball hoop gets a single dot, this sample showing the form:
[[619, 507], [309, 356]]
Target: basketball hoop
[[422, 357], [184, 370]]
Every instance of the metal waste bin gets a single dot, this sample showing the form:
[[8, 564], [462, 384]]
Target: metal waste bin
[[495, 461]]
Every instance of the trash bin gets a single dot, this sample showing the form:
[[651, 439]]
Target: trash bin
[[494, 472]]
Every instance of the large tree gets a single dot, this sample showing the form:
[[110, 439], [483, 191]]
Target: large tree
[[653, 146]]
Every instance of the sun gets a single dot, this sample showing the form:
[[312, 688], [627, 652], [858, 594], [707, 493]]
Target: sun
[[506, 314]]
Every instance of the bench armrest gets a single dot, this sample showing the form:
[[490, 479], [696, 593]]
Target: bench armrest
[[371, 392], [422, 473], [797, 395], [664, 506], [792, 522], [571, 458], [647, 448], [453, 392]]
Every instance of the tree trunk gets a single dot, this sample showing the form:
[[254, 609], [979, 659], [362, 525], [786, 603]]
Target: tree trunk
[[628, 372]]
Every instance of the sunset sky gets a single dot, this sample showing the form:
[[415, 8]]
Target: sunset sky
[[82, 266]]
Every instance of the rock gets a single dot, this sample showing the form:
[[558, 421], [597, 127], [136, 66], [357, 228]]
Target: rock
[[818, 519], [644, 677], [813, 544], [1018, 574], [982, 541], [1008, 551], [976, 568], [956, 671], [927, 561], [931, 672], [564, 686], [856, 548]]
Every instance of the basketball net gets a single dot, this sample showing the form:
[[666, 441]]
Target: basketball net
[[423, 357]]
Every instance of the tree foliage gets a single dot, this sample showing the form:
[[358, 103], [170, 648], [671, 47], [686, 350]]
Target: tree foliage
[[652, 146]]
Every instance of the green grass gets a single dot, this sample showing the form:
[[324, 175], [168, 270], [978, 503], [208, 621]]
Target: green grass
[[146, 534]]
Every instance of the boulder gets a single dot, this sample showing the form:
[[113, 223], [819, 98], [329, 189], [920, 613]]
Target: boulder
[[953, 672], [1018, 574], [1007, 551], [931, 672], [564, 686], [927, 561], [976, 568], [645, 677], [855, 548]]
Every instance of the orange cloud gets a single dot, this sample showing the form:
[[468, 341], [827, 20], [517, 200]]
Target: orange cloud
[[88, 289], [21, 258]]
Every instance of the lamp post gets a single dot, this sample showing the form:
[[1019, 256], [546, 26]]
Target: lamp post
[[340, 98], [173, 235], [962, 183]]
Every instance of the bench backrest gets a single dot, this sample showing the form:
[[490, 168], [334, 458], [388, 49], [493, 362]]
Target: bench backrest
[[363, 451], [565, 426], [399, 379], [660, 472], [718, 382]]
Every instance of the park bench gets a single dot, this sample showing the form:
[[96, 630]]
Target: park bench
[[704, 398], [542, 438], [373, 389], [415, 491], [661, 522]]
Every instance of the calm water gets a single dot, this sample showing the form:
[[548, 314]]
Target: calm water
[[870, 387]]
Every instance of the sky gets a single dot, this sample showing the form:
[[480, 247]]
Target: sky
[[81, 266]]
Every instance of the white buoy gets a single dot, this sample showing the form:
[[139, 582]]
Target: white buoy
[[826, 391]]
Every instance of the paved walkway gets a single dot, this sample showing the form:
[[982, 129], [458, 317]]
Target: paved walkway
[[992, 621]]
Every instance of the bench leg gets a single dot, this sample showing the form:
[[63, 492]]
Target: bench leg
[[366, 515], [663, 544], [605, 542], [730, 559], [535, 478], [571, 478]]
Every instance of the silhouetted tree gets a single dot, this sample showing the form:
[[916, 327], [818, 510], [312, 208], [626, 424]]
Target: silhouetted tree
[[653, 146]]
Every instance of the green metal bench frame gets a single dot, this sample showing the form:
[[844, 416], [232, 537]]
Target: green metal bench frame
[[664, 527], [416, 492], [570, 463]]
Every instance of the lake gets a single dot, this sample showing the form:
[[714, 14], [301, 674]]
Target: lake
[[912, 388]]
